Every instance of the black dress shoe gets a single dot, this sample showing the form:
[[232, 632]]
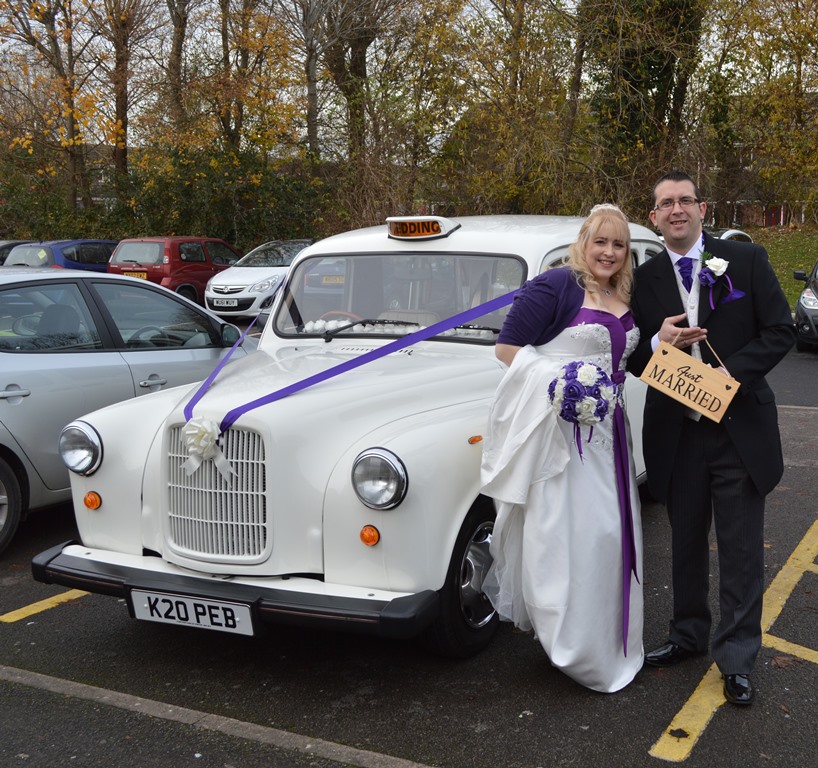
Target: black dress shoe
[[738, 689], [668, 654]]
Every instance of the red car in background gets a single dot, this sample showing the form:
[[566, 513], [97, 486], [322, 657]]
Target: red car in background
[[181, 264]]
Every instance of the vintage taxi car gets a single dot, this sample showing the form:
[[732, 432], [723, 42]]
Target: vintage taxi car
[[332, 479]]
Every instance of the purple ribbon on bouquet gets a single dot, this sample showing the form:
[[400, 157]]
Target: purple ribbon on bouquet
[[368, 357]]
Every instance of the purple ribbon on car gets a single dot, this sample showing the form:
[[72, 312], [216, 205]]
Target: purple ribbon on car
[[368, 357]]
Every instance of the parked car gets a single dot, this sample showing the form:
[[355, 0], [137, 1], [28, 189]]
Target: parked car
[[6, 246], [806, 311], [729, 234], [248, 287], [73, 341], [68, 254], [320, 481], [180, 264]]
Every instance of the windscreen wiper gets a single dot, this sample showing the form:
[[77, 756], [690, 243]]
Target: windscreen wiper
[[330, 334]]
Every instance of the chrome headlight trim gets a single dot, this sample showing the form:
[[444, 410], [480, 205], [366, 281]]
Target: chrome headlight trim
[[379, 479], [81, 448], [808, 299], [265, 285]]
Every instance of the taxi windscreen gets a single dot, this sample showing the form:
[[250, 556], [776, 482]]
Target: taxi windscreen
[[396, 294]]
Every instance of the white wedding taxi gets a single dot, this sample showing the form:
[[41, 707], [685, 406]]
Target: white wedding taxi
[[333, 478]]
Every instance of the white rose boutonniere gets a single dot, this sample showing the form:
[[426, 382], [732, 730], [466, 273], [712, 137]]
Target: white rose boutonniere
[[713, 269]]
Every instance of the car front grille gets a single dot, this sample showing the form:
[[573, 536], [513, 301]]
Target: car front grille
[[211, 518], [227, 289]]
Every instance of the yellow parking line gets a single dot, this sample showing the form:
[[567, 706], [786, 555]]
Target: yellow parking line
[[801, 560], [678, 740], [792, 649], [42, 605]]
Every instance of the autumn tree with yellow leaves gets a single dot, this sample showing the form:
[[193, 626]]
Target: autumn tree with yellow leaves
[[255, 119]]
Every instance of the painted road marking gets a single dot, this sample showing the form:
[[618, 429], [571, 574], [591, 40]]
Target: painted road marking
[[678, 740], [328, 750], [42, 605]]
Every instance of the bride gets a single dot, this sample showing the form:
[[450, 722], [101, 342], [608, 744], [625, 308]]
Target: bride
[[567, 543]]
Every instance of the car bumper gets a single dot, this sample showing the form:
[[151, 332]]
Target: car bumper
[[806, 325], [295, 601], [246, 306]]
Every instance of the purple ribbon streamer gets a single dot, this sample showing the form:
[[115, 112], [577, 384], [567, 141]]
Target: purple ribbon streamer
[[425, 333], [622, 466], [209, 380]]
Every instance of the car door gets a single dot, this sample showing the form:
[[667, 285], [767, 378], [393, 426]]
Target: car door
[[165, 341], [54, 368]]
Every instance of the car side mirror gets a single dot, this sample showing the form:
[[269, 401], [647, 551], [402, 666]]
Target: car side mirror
[[230, 335], [800, 274]]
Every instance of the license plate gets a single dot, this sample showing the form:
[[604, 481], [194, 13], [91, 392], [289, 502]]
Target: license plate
[[192, 612], [332, 279], [225, 302], [143, 275]]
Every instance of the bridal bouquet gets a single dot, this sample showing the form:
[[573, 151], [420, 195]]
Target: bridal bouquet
[[582, 393]]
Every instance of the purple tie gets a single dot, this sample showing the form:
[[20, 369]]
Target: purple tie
[[685, 267]]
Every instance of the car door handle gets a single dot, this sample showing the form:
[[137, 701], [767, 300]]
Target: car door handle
[[7, 394], [153, 382]]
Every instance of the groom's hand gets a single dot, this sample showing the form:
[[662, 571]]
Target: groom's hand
[[678, 337]]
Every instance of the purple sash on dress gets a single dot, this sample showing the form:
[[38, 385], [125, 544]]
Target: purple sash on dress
[[618, 327]]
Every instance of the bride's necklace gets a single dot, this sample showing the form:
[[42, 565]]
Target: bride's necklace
[[607, 292]]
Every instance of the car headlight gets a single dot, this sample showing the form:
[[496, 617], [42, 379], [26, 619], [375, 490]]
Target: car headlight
[[265, 285], [379, 479], [808, 299], [81, 448]]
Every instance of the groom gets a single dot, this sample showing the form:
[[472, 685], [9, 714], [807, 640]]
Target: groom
[[702, 470]]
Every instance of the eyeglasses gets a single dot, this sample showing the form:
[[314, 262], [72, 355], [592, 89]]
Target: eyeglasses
[[668, 204]]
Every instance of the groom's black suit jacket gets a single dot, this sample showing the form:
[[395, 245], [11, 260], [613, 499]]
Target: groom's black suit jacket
[[750, 334]]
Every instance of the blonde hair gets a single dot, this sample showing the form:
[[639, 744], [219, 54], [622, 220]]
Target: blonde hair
[[600, 215]]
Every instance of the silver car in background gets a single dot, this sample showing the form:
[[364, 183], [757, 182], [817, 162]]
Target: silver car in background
[[249, 286], [73, 341]]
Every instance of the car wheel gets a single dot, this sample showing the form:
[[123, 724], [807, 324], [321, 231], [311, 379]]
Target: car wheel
[[189, 293], [10, 504], [467, 620]]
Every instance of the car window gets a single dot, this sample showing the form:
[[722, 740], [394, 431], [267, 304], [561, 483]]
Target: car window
[[148, 319], [191, 252], [138, 253], [221, 254], [396, 294], [46, 317], [91, 253], [30, 256]]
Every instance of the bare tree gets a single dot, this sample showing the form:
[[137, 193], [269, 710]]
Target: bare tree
[[57, 31], [123, 24]]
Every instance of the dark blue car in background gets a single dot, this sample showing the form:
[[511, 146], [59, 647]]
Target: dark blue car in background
[[70, 254]]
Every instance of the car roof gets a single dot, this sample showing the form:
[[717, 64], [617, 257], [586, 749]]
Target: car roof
[[530, 236], [163, 239], [20, 274], [66, 242], [727, 233]]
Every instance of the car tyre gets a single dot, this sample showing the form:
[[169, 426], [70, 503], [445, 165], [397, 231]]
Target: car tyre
[[467, 620], [188, 293], [10, 504]]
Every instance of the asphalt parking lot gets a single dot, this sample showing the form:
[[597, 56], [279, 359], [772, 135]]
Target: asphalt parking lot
[[83, 684]]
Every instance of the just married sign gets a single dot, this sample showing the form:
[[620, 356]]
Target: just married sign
[[690, 381]]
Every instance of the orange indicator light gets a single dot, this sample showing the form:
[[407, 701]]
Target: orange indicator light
[[92, 500], [370, 535], [475, 439]]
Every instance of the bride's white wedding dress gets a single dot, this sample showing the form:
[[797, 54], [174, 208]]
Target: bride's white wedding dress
[[567, 543]]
